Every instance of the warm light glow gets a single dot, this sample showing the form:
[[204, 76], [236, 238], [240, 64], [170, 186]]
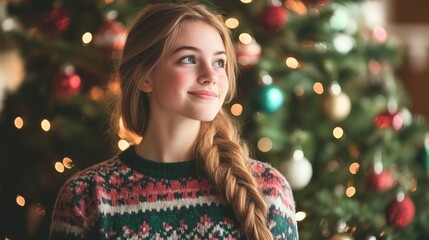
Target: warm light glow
[[236, 109], [299, 91], [245, 38], [350, 191], [318, 88], [20, 200], [68, 163], [246, 1], [413, 185], [108, 1], [96, 93], [122, 144], [46, 125], [291, 62], [300, 216], [86, 37], [354, 168], [296, 6], [338, 132], [19, 123], [232, 23], [113, 86], [265, 144], [59, 167]]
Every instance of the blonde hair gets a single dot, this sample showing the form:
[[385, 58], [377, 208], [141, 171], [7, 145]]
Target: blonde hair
[[219, 150]]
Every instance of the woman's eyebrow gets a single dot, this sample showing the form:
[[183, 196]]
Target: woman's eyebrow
[[195, 49]]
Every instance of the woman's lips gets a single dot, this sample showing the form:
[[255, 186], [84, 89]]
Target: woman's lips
[[203, 94]]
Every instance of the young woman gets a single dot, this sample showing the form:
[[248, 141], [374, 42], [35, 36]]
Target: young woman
[[191, 176]]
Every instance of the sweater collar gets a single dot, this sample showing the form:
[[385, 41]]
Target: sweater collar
[[157, 169]]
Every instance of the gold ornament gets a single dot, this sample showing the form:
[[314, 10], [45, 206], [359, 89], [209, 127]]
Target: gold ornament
[[336, 107]]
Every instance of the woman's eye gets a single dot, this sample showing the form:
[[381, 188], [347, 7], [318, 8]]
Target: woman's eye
[[187, 59], [220, 63]]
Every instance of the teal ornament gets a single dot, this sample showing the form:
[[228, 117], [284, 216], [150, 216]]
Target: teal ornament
[[427, 159], [269, 99]]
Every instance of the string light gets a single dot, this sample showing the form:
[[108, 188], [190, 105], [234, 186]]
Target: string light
[[68, 163], [20, 200], [96, 93], [46, 125], [300, 216], [292, 63], [59, 167], [246, 1], [265, 144], [338, 132], [86, 38], [350, 191], [232, 23], [354, 168], [245, 38], [318, 88], [123, 144], [236, 109], [19, 122]]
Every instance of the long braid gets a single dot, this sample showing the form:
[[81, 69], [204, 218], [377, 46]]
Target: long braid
[[223, 158]]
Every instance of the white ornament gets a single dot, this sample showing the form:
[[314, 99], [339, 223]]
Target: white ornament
[[297, 170]]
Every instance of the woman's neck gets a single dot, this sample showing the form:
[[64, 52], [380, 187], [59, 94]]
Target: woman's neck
[[172, 142]]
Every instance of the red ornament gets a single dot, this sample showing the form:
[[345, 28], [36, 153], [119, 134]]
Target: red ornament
[[57, 20], [112, 35], [380, 182], [400, 213], [387, 119], [319, 2], [67, 83], [273, 18]]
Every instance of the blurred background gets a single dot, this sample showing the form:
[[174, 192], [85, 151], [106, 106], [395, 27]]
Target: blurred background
[[331, 92]]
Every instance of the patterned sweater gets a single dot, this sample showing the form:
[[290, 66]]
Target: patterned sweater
[[128, 197]]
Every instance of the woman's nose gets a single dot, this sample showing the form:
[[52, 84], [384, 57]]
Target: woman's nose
[[207, 75]]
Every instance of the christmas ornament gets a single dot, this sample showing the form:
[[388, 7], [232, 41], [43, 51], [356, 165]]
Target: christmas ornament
[[248, 54], [380, 182], [344, 43], [389, 118], [297, 170], [336, 104], [400, 211], [112, 35], [268, 99], [67, 83], [273, 17], [57, 20], [378, 179], [341, 236]]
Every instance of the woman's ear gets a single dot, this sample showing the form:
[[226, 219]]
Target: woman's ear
[[146, 86]]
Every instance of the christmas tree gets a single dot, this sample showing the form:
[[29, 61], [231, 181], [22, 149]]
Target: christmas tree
[[318, 99]]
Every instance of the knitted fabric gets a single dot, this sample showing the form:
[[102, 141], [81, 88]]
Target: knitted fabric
[[128, 197]]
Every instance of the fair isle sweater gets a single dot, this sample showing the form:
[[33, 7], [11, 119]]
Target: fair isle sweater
[[128, 197]]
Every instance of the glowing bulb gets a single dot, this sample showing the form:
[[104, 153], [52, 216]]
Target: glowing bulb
[[300, 216], [68, 163], [354, 168], [245, 38], [338, 132], [265, 144], [350, 191], [59, 167], [123, 144], [20, 200], [19, 123], [291, 62], [236, 109], [232, 23], [318, 88], [46, 125], [86, 37], [96, 93], [246, 1]]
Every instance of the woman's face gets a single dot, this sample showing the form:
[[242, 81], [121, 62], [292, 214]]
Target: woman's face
[[190, 80]]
